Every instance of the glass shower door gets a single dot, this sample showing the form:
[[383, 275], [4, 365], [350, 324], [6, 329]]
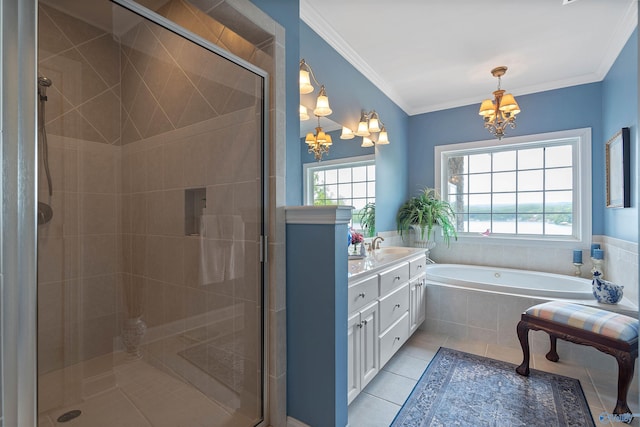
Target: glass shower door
[[150, 278]]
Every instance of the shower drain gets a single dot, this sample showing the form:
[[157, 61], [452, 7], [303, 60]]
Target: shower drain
[[68, 416]]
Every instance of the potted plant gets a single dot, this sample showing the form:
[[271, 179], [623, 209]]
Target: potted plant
[[425, 211], [368, 219]]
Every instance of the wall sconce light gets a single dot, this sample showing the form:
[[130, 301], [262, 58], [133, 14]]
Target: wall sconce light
[[322, 102], [369, 124], [501, 112], [304, 115], [319, 143]]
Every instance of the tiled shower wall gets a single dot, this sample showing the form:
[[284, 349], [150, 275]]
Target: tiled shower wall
[[120, 170], [77, 250]]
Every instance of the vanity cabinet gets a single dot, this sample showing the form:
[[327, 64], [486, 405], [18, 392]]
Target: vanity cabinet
[[363, 356], [417, 293], [385, 307]]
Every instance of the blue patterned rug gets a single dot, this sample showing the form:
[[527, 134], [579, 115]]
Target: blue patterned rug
[[462, 389]]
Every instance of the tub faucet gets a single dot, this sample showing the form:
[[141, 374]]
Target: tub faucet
[[375, 243]]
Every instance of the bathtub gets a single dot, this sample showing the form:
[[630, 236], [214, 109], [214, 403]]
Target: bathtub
[[525, 283]]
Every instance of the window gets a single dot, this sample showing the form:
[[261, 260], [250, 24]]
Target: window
[[534, 187], [348, 182]]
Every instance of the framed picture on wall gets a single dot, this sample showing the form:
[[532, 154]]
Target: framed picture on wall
[[618, 170]]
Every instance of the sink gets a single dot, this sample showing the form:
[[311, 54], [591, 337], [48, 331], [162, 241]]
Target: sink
[[394, 251]]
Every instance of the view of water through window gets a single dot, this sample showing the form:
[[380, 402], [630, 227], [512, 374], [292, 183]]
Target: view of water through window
[[513, 191]]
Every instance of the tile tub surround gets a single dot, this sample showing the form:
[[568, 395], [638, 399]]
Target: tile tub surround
[[492, 319], [620, 259]]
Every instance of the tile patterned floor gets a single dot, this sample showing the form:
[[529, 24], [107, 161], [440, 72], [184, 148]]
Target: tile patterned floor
[[378, 404]]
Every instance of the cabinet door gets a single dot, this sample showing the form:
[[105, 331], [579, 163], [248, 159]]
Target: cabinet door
[[417, 305], [354, 354], [369, 331]]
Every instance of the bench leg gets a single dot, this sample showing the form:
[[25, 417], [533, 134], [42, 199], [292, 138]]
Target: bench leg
[[625, 375], [553, 354], [523, 336]]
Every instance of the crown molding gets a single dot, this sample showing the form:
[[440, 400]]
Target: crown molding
[[323, 28]]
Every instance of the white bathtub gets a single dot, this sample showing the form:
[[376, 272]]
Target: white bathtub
[[524, 283], [484, 304]]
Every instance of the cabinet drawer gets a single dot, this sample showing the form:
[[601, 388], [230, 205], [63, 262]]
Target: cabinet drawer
[[417, 266], [362, 293], [393, 277], [393, 338], [393, 306]]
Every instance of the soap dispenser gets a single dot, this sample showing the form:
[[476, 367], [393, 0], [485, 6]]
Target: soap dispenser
[[363, 250]]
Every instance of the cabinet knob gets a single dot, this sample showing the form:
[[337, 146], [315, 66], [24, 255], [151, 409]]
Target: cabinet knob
[[397, 305], [364, 322], [361, 294], [419, 265], [397, 339], [396, 278], [360, 325]]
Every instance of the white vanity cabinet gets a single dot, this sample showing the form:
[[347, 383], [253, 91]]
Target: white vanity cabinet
[[417, 292], [362, 353], [385, 307]]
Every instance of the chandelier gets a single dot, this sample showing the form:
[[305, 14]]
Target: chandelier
[[368, 125], [322, 102], [319, 143], [500, 112]]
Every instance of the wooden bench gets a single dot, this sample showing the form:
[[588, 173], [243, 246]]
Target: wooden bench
[[609, 332]]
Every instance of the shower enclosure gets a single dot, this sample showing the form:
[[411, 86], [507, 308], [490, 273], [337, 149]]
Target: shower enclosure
[[151, 270]]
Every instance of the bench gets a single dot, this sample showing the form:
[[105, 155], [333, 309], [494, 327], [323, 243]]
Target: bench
[[609, 332]]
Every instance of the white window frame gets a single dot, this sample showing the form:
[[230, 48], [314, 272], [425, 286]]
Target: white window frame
[[308, 168], [582, 193]]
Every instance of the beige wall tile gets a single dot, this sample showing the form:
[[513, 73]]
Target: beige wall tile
[[98, 213]]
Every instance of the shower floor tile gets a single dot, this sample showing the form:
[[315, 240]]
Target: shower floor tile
[[144, 396]]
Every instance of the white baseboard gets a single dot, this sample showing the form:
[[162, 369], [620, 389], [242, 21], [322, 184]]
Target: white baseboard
[[292, 422]]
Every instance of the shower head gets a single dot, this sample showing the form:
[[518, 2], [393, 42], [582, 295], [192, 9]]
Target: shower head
[[44, 81], [43, 84]]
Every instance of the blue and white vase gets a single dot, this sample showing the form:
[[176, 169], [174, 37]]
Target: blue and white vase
[[604, 291]]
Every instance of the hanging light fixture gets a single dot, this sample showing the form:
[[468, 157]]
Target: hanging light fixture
[[322, 102], [319, 143], [368, 125], [502, 110]]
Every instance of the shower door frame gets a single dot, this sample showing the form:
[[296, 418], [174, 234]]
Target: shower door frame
[[18, 139]]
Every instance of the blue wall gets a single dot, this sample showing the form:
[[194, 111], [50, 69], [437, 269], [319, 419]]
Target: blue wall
[[620, 109], [349, 93], [317, 367]]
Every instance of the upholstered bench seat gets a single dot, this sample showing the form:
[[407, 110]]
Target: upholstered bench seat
[[611, 333]]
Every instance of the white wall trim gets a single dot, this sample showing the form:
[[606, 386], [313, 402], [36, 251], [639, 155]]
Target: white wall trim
[[582, 198], [292, 422], [318, 214]]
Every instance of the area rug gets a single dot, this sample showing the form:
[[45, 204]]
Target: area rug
[[462, 389]]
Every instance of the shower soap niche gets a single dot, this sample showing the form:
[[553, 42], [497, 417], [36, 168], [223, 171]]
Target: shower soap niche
[[195, 202]]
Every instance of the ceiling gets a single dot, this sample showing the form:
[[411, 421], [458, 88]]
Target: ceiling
[[429, 55]]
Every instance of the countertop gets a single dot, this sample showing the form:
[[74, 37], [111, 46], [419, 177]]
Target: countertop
[[379, 259]]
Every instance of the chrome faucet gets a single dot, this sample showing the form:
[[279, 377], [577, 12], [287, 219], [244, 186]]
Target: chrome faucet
[[375, 243]]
